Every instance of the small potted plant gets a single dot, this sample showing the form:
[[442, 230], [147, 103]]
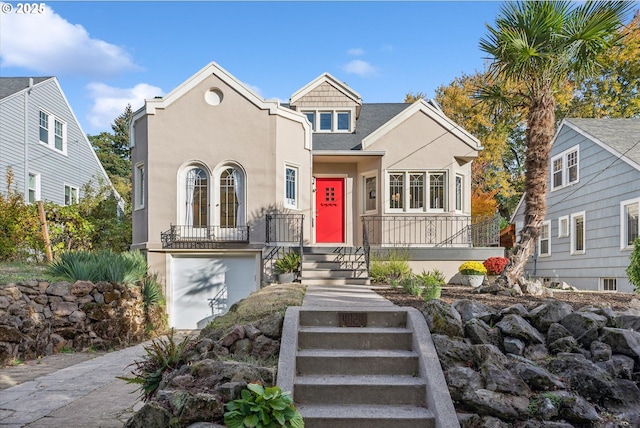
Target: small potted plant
[[472, 273], [495, 266], [287, 267]]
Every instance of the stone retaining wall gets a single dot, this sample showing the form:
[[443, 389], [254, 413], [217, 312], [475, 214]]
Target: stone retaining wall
[[42, 318]]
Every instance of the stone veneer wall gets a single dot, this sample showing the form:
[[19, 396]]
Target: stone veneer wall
[[41, 318]]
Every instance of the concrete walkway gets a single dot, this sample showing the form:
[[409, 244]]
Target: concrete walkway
[[86, 394], [80, 391], [343, 295]]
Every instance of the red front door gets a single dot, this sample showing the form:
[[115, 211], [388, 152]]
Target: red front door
[[329, 210]]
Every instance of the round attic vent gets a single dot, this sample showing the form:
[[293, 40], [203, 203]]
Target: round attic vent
[[213, 96]]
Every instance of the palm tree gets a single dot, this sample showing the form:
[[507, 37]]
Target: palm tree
[[538, 46]]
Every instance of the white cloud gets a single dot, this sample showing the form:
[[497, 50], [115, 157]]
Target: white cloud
[[387, 48], [110, 102], [49, 44], [355, 51], [359, 67]]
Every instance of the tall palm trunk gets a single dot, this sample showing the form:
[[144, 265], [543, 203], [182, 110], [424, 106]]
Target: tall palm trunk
[[539, 137]]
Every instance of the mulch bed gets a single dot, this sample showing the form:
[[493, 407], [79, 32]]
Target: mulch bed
[[577, 300]]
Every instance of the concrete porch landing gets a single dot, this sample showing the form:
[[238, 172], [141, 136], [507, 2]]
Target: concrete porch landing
[[351, 358]]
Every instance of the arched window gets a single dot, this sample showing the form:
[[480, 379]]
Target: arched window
[[197, 198], [231, 195]]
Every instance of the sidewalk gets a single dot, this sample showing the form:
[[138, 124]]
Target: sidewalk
[[81, 395]]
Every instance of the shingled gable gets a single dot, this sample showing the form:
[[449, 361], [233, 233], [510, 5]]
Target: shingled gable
[[617, 136], [437, 116], [326, 78], [273, 106]]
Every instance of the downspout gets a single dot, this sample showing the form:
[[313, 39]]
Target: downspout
[[26, 138]]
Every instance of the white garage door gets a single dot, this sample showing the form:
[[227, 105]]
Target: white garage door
[[194, 280]]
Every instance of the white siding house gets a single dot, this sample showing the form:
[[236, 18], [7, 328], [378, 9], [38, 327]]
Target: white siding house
[[42, 143], [593, 202]]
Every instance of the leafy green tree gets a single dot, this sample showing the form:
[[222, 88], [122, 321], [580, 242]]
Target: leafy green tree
[[615, 92], [533, 48], [113, 149]]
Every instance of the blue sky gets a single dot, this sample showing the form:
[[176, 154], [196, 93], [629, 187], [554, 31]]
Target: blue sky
[[107, 54]]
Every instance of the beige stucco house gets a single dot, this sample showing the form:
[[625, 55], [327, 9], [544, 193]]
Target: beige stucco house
[[225, 181]]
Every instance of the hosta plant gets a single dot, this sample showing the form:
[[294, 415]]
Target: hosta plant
[[262, 407], [472, 268]]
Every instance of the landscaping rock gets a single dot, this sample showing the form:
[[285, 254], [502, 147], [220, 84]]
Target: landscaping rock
[[516, 326], [442, 318]]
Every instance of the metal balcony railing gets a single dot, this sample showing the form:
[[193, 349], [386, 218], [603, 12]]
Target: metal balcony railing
[[190, 237], [430, 231]]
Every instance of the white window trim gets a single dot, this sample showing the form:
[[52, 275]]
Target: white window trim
[[546, 223], [601, 284], [564, 156], [296, 204], [334, 119], [406, 191], [77, 191], [623, 222], [138, 191], [574, 235], [37, 190], [563, 232], [365, 196], [52, 132], [455, 197]]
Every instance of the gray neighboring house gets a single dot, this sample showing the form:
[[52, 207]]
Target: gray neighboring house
[[593, 204], [43, 143]]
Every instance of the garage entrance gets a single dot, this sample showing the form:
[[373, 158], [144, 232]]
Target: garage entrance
[[195, 280]]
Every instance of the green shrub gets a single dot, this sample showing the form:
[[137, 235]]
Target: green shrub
[[262, 407], [106, 265], [411, 284], [162, 356], [379, 271], [395, 268], [152, 291], [288, 264], [633, 271]]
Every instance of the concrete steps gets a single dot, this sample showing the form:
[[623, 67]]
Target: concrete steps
[[366, 416], [360, 367], [334, 266]]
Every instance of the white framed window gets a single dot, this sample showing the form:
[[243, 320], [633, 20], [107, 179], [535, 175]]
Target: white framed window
[[608, 284], [578, 233], [369, 192], [44, 127], [459, 193], [417, 191], [291, 186], [52, 132], [326, 121], [563, 226], [230, 197], [544, 240], [34, 187], [70, 195], [565, 168], [329, 120], [139, 186], [343, 121], [629, 223]]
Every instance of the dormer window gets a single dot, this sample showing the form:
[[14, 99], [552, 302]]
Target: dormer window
[[329, 121], [326, 122], [343, 120]]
